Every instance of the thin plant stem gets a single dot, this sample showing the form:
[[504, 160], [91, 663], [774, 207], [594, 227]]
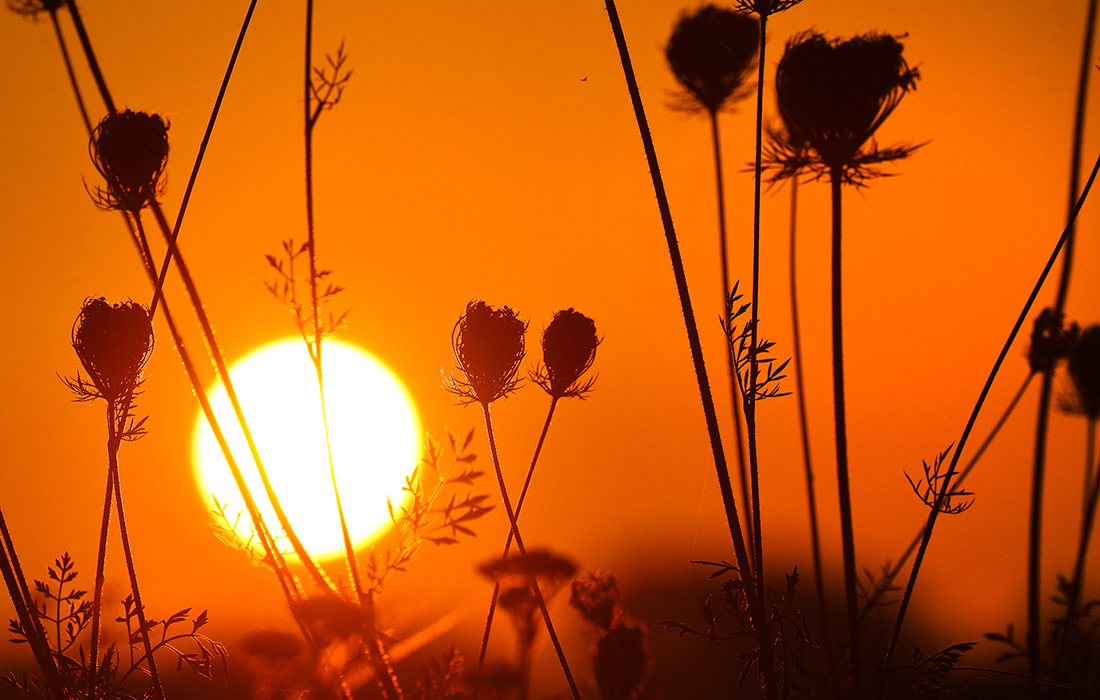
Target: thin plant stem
[[945, 489], [754, 333], [803, 427], [523, 550], [1045, 394], [756, 605], [508, 542], [26, 612], [1090, 451], [198, 159], [117, 429], [89, 55], [69, 70], [101, 559], [736, 395], [846, 531]]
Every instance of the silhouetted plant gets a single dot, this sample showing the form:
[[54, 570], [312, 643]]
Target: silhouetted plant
[[833, 96], [568, 348], [489, 347], [712, 51], [32, 8]]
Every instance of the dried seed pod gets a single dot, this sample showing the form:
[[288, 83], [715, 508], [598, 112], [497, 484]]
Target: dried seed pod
[[568, 350], [488, 345], [712, 52], [113, 343], [130, 150], [596, 597]]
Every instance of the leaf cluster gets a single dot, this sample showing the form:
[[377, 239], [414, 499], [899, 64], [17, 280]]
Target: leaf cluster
[[930, 488], [443, 678], [65, 614], [739, 339], [285, 289], [440, 509], [327, 84]]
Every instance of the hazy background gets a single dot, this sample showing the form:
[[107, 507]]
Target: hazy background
[[489, 151]]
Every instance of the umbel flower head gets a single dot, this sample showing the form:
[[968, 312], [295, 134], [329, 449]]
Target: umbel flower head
[[1051, 340], [113, 343], [568, 350], [488, 345], [765, 8], [1084, 371], [711, 52], [834, 95], [130, 150]]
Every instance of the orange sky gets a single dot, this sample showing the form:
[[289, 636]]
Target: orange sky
[[489, 151]]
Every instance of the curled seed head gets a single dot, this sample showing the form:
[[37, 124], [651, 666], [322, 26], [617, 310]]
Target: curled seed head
[[835, 94], [113, 343], [488, 345], [1051, 340], [130, 150], [1084, 371], [568, 350], [711, 52]]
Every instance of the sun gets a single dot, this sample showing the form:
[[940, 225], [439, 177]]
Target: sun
[[374, 432]]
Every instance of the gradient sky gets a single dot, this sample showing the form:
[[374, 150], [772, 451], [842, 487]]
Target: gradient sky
[[489, 151]]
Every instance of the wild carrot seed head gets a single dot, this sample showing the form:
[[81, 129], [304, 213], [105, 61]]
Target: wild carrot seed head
[[113, 343], [835, 94], [488, 345], [596, 597], [130, 150], [568, 350], [31, 8], [711, 52]]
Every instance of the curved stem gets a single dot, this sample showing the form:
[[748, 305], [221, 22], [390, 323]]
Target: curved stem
[[508, 542], [846, 530], [523, 550], [803, 427], [736, 395], [1042, 419], [754, 336], [946, 487]]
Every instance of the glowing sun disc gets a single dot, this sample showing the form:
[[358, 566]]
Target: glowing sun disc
[[373, 427]]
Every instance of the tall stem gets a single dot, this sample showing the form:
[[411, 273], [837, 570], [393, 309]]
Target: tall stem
[[846, 531], [756, 605], [803, 428], [754, 335], [101, 557], [508, 542], [69, 70], [946, 486], [736, 398], [512, 521], [1042, 419], [93, 63]]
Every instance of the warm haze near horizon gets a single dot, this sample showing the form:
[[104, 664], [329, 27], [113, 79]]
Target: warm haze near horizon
[[488, 151]]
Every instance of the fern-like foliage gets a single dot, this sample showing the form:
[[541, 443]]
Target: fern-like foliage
[[739, 340], [930, 488]]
